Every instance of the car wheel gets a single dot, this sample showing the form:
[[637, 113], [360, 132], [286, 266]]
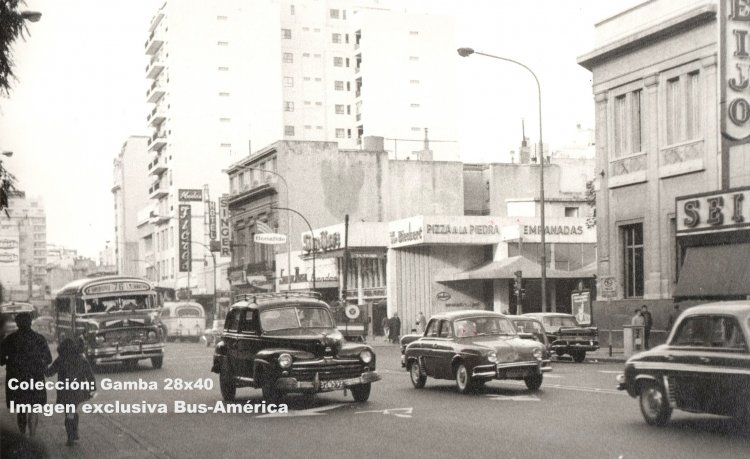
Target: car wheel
[[578, 356], [418, 379], [654, 405], [534, 382], [464, 383], [361, 392], [227, 384], [270, 393], [157, 362]]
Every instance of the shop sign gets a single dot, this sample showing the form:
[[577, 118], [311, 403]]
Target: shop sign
[[192, 194], [715, 211], [734, 17], [9, 251], [553, 230], [185, 233], [443, 296], [212, 220], [224, 226], [237, 277], [465, 305], [270, 238], [112, 287], [581, 306], [325, 241], [607, 286]]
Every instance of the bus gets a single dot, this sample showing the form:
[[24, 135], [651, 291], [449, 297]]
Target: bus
[[117, 318]]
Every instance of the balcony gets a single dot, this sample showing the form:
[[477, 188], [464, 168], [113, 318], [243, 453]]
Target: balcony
[[157, 116], [155, 92], [157, 190], [157, 142], [153, 43], [154, 68], [157, 166]]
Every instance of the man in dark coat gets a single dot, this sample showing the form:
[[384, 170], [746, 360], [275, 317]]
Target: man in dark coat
[[26, 355], [648, 321], [394, 326]]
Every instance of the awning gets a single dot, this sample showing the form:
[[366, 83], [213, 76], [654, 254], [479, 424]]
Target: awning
[[506, 269], [715, 271]]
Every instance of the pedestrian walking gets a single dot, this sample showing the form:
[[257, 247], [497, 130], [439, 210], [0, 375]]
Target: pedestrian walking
[[648, 321], [70, 366], [421, 323], [394, 327], [25, 354], [637, 321], [673, 317], [384, 325]]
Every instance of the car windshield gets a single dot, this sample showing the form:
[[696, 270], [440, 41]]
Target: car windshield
[[527, 326], [482, 326], [295, 317], [561, 321], [115, 304]]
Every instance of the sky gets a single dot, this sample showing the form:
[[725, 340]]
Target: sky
[[81, 92]]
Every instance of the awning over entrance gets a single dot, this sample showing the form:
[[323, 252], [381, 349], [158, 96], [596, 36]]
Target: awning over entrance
[[715, 271], [505, 269]]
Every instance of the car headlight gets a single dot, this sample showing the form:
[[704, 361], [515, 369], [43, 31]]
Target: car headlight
[[365, 356], [151, 335], [285, 361], [538, 354], [99, 339], [492, 357]]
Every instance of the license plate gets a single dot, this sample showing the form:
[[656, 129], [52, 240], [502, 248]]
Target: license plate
[[332, 385], [129, 349]]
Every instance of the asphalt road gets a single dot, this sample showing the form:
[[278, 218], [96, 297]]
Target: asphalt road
[[576, 414]]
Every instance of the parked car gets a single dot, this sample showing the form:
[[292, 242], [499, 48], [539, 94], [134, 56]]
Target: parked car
[[288, 342], [703, 368], [45, 326], [531, 328], [566, 336], [473, 347]]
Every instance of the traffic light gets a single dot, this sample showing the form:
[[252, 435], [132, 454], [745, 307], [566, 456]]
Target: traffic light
[[517, 284]]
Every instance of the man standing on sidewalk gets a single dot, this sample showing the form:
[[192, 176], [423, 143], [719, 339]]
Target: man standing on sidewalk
[[673, 317], [648, 321], [26, 355]]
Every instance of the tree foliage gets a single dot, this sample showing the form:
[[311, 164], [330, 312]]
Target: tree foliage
[[7, 187], [591, 200], [12, 26]]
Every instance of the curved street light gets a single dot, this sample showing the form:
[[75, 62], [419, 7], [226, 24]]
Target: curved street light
[[31, 16], [465, 52], [311, 234]]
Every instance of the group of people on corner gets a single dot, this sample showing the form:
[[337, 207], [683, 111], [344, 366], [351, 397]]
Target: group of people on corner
[[642, 318], [392, 326], [27, 358]]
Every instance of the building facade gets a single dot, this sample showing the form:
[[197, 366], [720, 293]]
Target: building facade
[[27, 222], [130, 193], [669, 229]]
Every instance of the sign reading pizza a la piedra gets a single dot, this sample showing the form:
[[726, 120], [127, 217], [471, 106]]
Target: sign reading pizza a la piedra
[[715, 211]]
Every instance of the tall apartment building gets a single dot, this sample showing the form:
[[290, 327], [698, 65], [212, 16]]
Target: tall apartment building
[[270, 70], [27, 223], [130, 193]]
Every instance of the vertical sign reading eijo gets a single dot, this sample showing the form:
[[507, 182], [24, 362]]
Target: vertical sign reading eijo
[[735, 66], [224, 225], [185, 252]]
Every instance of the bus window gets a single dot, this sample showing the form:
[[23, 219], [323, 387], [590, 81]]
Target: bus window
[[62, 305]]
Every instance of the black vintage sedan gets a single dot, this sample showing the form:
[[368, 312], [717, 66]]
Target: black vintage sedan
[[473, 347], [288, 342], [703, 368]]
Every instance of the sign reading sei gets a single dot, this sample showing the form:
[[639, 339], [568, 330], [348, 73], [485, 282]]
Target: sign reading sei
[[714, 211]]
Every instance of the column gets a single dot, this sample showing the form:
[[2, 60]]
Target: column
[[501, 295], [603, 224], [652, 222]]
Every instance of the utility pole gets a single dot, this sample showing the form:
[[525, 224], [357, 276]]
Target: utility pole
[[29, 279]]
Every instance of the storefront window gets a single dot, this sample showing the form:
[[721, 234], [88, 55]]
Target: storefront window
[[633, 259]]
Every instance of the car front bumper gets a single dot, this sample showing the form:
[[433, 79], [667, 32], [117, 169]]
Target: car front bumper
[[316, 385], [129, 352], [512, 370], [565, 346]]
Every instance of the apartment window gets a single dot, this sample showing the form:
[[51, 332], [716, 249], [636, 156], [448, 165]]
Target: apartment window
[[571, 211], [305, 29], [289, 130], [348, 109], [318, 79], [307, 126], [288, 82], [414, 81], [632, 237], [288, 58], [226, 145], [318, 103], [338, 85], [316, 30], [336, 38], [224, 120], [305, 54], [291, 10], [628, 124], [316, 55], [683, 108], [414, 105], [339, 109], [221, 18], [288, 106], [286, 34], [306, 78], [222, 43], [338, 61], [340, 133], [307, 102], [334, 14], [348, 86], [416, 129], [319, 127]]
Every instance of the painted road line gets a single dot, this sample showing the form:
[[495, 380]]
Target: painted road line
[[514, 398], [611, 372], [398, 412], [576, 388], [319, 411]]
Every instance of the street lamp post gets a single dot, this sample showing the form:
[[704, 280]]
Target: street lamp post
[[465, 52], [311, 234], [289, 224]]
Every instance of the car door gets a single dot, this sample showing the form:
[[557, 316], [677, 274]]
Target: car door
[[427, 346], [729, 364], [443, 350], [231, 339], [248, 342], [688, 363]]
